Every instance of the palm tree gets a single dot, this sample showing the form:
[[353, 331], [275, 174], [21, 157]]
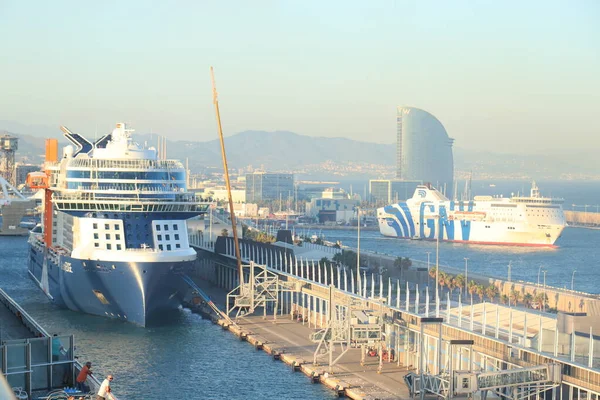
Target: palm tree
[[451, 283], [432, 271], [480, 291], [515, 297], [472, 289], [491, 292], [541, 299], [527, 299], [224, 232], [504, 299], [459, 282], [443, 279]]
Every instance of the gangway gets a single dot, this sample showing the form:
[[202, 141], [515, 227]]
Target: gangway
[[206, 298], [514, 384], [262, 288]]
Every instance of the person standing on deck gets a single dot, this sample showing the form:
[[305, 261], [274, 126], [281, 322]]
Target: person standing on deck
[[82, 377], [104, 391]]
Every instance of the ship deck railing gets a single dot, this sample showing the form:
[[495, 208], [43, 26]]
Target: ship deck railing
[[97, 163], [29, 363]]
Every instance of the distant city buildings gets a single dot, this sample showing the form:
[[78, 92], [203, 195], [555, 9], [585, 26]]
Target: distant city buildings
[[262, 186], [424, 149], [332, 210], [386, 191]]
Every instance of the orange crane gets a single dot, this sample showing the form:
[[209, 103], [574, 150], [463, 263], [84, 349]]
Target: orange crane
[[41, 180]]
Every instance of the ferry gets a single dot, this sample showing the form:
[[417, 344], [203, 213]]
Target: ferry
[[518, 221], [114, 238]]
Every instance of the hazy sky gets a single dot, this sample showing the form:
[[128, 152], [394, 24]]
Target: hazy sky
[[500, 75]]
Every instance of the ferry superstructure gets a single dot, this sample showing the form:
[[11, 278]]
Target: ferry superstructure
[[519, 220], [114, 239]]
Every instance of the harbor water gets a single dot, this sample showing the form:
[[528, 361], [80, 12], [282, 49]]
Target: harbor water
[[183, 357], [578, 249]]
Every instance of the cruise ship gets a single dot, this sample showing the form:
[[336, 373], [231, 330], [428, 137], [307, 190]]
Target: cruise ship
[[114, 238], [518, 221]]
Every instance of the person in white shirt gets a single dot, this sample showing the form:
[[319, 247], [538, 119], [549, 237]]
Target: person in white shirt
[[104, 391]]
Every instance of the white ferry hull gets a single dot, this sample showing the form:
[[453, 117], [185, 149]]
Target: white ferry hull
[[497, 234], [530, 221]]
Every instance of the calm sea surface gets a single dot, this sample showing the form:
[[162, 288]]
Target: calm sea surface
[[579, 249]]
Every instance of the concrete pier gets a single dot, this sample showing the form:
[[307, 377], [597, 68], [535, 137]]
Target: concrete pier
[[483, 338]]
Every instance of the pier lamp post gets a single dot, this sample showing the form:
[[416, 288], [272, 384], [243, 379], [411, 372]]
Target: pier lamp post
[[544, 299], [509, 293], [428, 277], [358, 280], [437, 268], [466, 274], [573, 279]]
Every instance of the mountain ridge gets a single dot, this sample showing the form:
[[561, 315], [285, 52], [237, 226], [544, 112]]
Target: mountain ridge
[[284, 150]]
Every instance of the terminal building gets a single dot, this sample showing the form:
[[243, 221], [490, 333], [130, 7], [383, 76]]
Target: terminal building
[[424, 149], [262, 186]]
